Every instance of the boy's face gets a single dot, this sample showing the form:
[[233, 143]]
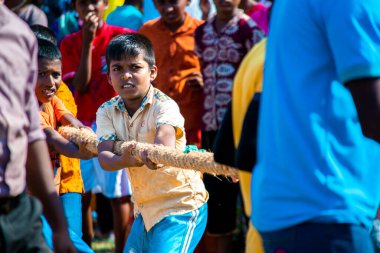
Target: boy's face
[[226, 6], [172, 11], [131, 77], [48, 80], [83, 7]]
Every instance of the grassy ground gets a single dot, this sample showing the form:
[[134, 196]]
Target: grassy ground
[[103, 245]]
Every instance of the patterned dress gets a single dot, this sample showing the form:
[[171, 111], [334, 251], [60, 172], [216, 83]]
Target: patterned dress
[[220, 54]]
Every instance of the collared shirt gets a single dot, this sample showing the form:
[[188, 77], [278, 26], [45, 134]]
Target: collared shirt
[[156, 193], [19, 122], [221, 53], [176, 60], [98, 90]]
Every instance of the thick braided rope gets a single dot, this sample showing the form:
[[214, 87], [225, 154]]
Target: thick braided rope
[[200, 161]]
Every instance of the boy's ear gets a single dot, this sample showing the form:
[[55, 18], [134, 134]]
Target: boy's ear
[[153, 73]]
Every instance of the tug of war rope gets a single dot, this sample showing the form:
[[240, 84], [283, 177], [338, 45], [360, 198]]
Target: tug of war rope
[[159, 154]]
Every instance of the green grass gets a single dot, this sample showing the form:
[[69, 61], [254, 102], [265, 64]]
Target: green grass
[[103, 245]]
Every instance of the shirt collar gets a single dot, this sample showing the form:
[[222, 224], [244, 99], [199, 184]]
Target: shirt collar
[[148, 99]]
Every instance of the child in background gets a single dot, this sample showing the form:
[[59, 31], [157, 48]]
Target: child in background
[[221, 44], [128, 15], [259, 12], [52, 114], [85, 69], [70, 174], [180, 77], [170, 203]]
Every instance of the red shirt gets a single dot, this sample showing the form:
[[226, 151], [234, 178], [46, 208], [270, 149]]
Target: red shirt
[[99, 90]]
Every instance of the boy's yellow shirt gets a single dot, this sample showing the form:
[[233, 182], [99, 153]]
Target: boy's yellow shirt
[[156, 193], [248, 81], [71, 177]]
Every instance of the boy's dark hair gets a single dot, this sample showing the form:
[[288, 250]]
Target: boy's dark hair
[[48, 51], [130, 44], [42, 32]]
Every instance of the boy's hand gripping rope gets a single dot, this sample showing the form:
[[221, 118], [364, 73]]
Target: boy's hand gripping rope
[[200, 161]]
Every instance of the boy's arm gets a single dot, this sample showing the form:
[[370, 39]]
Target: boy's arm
[[62, 146], [40, 183], [165, 135], [69, 119], [110, 161], [82, 77], [107, 135], [366, 94]]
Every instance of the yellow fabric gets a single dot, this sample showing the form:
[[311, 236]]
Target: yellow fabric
[[253, 243], [112, 4], [247, 82], [71, 177], [156, 193], [67, 98]]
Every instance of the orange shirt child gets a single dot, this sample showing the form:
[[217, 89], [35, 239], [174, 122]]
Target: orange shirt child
[[50, 114], [176, 61]]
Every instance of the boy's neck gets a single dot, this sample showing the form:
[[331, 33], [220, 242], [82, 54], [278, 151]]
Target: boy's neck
[[174, 27], [223, 18], [133, 105]]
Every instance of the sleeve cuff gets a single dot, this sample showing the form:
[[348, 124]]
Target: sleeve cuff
[[107, 137], [359, 72]]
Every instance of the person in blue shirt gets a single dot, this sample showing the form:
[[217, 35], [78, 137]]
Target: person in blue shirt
[[315, 185], [128, 15]]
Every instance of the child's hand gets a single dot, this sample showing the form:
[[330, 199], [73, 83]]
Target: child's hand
[[128, 158], [151, 165], [235, 179], [195, 80], [85, 153], [91, 23]]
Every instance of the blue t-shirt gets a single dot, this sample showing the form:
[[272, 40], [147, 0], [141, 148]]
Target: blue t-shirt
[[126, 16], [314, 164]]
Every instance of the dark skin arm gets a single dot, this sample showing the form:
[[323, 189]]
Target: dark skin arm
[[109, 161], [166, 136], [39, 178], [70, 120], [112, 162], [366, 95], [62, 146], [82, 77]]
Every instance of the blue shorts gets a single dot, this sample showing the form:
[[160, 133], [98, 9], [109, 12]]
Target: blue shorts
[[174, 233]]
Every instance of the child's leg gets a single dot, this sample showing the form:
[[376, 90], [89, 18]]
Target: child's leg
[[178, 233], [78, 243], [122, 211], [115, 185], [87, 227], [72, 206], [89, 180]]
